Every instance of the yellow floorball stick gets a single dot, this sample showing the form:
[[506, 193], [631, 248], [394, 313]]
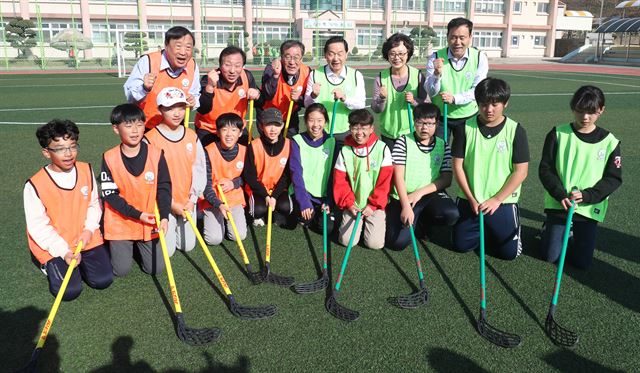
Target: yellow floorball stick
[[267, 274], [30, 367], [187, 111], [244, 312], [250, 129], [286, 126], [253, 276]]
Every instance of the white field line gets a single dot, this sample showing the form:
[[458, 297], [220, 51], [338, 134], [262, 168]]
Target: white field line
[[573, 80]]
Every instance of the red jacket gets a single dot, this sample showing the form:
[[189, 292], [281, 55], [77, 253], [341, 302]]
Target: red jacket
[[342, 192]]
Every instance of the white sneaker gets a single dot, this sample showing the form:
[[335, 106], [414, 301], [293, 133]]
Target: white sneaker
[[43, 269], [258, 222]]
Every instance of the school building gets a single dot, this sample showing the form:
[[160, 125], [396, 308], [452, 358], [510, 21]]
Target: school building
[[503, 28]]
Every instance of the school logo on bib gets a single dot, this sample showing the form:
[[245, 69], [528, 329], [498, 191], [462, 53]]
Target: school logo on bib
[[601, 155], [189, 147], [325, 153], [373, 164], [239, 165], [468, 75], [241, 93], [283, 161], [437, 159], [85, 191], [501, 146], [149, 176], [185, 83]]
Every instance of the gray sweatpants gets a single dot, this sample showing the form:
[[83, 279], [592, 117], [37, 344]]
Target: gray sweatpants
[[215, 225], [122, 256], [180, 235]]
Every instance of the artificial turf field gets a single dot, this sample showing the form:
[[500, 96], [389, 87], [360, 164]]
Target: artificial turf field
[[129, 328]]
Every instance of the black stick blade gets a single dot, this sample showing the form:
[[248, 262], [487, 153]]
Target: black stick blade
[[256, 278], [559, 335], [412, 301], [279, 280], [32, 364], [339, 311], [252, 313], [496, 336], [313, 286], [195, 337]]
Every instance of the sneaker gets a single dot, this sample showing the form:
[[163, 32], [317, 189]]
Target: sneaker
[[43, 268], [258, 222]]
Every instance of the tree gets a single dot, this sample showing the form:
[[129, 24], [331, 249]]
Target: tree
[[422, 38], [20, 35], [136, 42]]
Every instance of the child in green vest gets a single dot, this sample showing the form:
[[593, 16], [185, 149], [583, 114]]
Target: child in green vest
[[310, 163], [584, 156], [362, 180], [421, 173], [490, 162]]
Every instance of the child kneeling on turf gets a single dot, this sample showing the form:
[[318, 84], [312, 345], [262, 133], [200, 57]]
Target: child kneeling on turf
[[62, 208], [186, 162], [266, 170], [225, 163], [134, 178], [362, 180], [311, 162], [585, 156], [421, 173], [490, 162]]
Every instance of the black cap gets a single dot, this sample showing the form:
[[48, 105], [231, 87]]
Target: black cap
[[271, 116]]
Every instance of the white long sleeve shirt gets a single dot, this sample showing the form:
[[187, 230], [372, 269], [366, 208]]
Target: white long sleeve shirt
[[354, 102], [38, 223], [432, 84]]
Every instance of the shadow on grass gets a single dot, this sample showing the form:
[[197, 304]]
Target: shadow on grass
[[568, 361], [235, 260], [619, 286], [446, 361], [454, 291], [312, 249], [402, 273], [256, 245], [195, 265], [122, 362], [20, 330]]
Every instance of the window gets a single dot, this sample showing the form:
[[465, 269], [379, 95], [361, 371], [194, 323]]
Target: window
[[458, 6], [335, 5], [368, 37], [515, 41], [543, 8], [284, 3], [517, 7], [157, 30], [168, 1], [223, 34], [407, 5], [490, 6], [263, 33], [366, 4], [539, 41], [487, 39], [224, 2], [51, 28]]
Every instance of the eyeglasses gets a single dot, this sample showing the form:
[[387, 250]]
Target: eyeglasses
[[70, 149], [289, 58], [398, 55], [428, 124], [359, 129]]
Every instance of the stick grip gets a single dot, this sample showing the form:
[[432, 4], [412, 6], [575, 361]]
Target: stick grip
[[348, 252], [410, 115], [250, 127], [167, 262], [445, 119], [483, 299], [286, 126], [187, 111], [416, 254]]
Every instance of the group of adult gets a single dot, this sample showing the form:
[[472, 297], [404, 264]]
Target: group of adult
[[450, 77]]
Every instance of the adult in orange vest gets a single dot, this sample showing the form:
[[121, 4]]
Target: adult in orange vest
[[173, 66], [61, 207], [285, 79], [226, 89]]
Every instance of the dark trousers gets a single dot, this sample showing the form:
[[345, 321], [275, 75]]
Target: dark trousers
[[94, 269], [580, 247], [315, 223], [452, 125], [433, 209], [502, 230], [258, 206]]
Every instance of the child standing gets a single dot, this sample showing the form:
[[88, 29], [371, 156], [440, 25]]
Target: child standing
[[62, 208], [583, 155], [185, 158], [490, 162], [362, 180], [312, 158], [266, 170], [134, 178], [421, 173], [225, 163]]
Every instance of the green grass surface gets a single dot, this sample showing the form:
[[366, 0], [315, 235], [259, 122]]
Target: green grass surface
[[128, 327]]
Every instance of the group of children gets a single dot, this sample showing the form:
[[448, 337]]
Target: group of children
[[168, 169]]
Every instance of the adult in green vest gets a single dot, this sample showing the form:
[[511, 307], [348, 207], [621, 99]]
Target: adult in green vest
[[336, 81], [421, 173], [310, 163], [490, 162], [585, 156], [454, 72], [395, 87]]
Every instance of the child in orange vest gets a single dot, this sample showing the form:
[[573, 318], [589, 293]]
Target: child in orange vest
[[266, 170], [185, 159], [134, 178], [62, 208], [225, 163]]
